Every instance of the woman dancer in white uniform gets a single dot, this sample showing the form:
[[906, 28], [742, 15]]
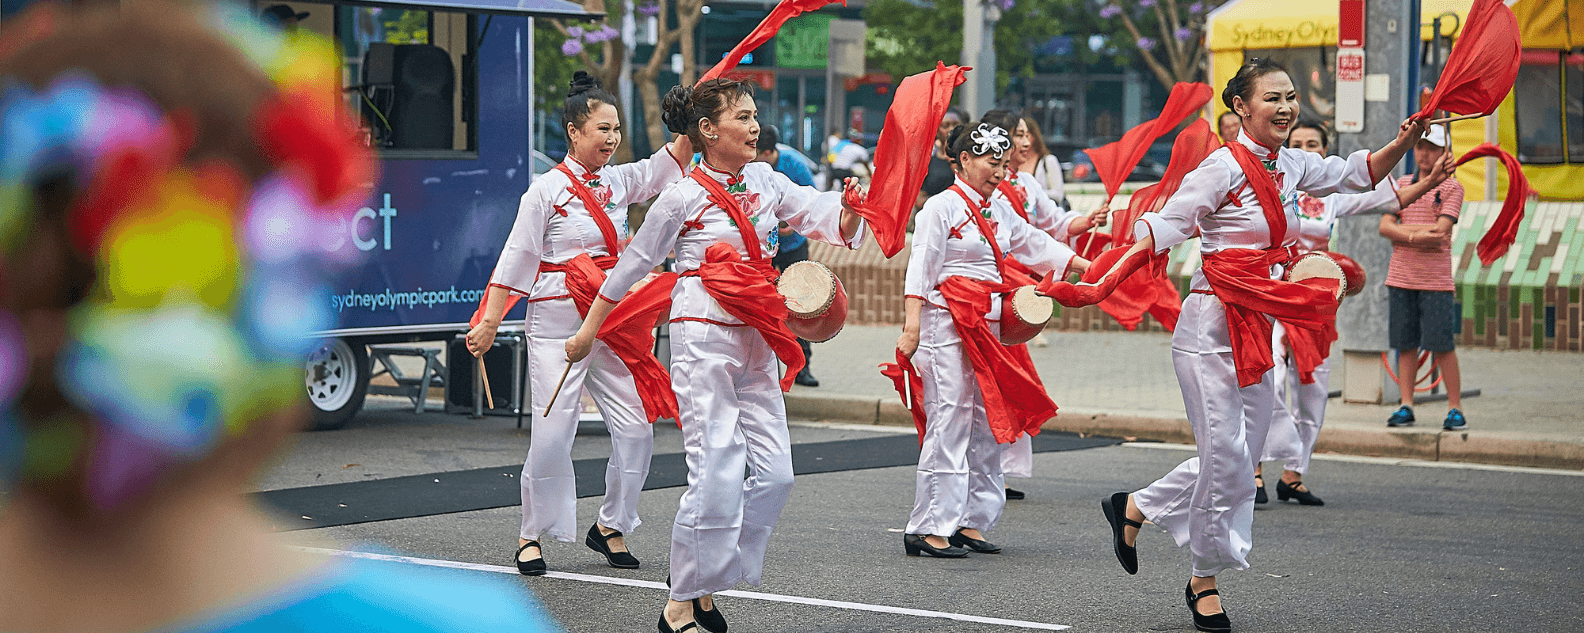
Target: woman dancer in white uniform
[[1292, 437], [553, 226], [1039, 209], [1208, 501], [723, 346], [959, 490]]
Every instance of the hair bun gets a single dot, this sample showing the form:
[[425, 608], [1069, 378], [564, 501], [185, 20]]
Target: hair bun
[[582, 82], [674, 108]]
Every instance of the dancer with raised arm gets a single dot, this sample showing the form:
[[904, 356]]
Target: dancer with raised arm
[[570, 226], [727, 334], [1221, 346], [976, 396]]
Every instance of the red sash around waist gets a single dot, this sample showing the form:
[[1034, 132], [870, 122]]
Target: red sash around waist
[[746, 290], [1240, 278], [1015, 401], [629, 330]]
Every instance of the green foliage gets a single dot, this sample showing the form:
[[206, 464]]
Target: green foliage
[[905, 38], [405, 27], [552, 68]]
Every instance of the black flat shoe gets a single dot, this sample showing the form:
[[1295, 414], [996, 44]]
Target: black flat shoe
[[975, 545], [535, 567], [915, 545], [666, 628], [711, 620], [1213, 623], [600, 543], [1116, 514], [1014, 495], [1303, 497], [1259, 490]]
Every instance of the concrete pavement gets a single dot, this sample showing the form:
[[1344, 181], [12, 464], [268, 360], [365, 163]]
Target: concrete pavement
[[1530, 411]]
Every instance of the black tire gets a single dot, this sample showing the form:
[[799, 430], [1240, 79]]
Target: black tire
[[337, 379]]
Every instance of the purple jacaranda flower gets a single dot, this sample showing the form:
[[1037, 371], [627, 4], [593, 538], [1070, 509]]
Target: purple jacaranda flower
[[571, 47], [1183, 33], [1146, 3], [1197, 7], [1006, 5], [1110, 11], [1145, 44], [574, 31], [649, 8]]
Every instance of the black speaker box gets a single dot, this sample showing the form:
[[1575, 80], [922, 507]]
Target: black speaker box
[[502, 363], [423, 110]]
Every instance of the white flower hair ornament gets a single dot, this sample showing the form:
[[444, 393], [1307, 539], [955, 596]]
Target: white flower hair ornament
[[990, 138]]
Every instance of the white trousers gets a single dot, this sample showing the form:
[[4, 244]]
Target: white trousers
[[959, 482], [733, 417], [549, 489], [1292, 437], [1017, 458], [1207, 502]]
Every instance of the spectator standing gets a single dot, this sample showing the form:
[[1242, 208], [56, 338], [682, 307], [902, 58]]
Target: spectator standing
[[794, 247], [1045, 167], [1228, 126], [1419, 280], [940, 175], [849, 158]]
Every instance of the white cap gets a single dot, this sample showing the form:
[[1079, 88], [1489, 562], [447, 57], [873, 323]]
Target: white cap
[[1437, 135]]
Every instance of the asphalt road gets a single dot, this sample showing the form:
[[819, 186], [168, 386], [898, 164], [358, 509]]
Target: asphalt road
[[1397, 547]]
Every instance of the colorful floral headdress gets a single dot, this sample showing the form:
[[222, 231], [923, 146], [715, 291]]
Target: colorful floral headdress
[[208, 286]]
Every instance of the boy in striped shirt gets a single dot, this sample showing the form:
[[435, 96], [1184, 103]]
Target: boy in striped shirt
[[1419, 280]]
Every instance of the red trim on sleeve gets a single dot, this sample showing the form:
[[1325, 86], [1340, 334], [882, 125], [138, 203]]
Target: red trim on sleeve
[[919, 297], [674, 159], [612, 301], [565, 296], [1371, 168], [521, 292]]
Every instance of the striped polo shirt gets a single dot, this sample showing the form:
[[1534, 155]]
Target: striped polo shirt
[[1416, 269]]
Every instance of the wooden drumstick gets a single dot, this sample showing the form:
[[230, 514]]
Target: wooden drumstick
[[557, 391], [1455, 118], [489, 398]]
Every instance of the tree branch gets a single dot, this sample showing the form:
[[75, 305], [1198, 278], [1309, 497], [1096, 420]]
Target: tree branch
[[1161, 74]]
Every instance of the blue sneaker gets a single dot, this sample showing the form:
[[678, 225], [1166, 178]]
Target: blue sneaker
[[1402, 417], [1454, 421]]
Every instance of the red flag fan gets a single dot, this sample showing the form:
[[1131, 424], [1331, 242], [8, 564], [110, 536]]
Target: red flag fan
[[903, 153], [1193, 145], [1483, 64], [1114, 161], [1502, 233], [767, 29]]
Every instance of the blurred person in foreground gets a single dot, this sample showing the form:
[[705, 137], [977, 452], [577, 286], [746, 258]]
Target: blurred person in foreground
[[1228, 125], [793, 247], [168, 171]]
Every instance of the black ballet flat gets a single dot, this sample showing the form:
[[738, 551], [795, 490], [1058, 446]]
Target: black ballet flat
[[915, 545], [977, 546], [1014, 495], [1303, 497], [711, 620], [1259, 490], [535, 567], [1213, 623], [666, 628], [601, 543], [1116, 514]]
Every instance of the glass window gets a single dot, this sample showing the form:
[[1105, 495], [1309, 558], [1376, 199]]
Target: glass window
[[1575, 107], [406, 72], [1538, 96]]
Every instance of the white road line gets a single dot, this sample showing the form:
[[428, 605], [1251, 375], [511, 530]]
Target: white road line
[[872, 428], [645, 584], [1392, 461]]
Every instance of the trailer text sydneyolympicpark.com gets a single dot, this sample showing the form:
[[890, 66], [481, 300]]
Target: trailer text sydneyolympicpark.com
[[390, 300]]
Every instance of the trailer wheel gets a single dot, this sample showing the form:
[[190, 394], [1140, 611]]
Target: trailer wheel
[[337, 376]]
